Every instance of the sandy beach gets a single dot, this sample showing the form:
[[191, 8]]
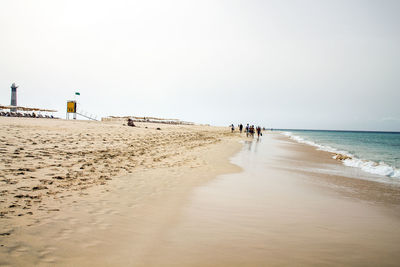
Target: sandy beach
[[79, 193], [52, 165], [52, 158], [199, 133]]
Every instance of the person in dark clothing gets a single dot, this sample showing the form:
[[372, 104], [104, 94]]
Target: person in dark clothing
[[251, 130], [258, 131], [130, 122]]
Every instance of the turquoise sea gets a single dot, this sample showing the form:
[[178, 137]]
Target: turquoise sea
[[373, 152]]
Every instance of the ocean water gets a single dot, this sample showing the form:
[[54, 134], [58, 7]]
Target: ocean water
[[373, 152]]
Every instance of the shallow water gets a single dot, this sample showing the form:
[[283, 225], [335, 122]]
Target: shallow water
[[268, 215]]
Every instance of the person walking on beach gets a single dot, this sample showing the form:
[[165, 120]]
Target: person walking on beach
[[247, 130], [232, 128], [241, 128], [258, 131], [252, 130]]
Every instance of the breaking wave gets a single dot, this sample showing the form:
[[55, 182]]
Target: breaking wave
[[379, 168]]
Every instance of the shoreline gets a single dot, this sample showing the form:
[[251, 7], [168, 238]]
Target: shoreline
[[275, 213], [349, 181], [380, 171], [274, 198]]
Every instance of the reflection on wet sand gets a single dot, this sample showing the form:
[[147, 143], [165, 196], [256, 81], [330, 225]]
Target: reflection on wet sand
[[269, 214], [279, 209]]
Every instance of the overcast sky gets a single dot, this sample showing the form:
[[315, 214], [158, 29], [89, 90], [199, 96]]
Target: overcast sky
[[282, 64]]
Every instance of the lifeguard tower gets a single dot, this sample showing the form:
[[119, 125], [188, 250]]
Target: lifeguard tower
[[71, 108]]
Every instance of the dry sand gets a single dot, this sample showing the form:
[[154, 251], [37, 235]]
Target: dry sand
[[50, 165], [152, 199]]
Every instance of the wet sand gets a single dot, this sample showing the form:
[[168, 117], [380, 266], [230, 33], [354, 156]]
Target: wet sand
[[283, 210], [282, 203]]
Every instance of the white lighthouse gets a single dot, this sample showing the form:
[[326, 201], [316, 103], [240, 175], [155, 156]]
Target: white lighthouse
[[14, 96]]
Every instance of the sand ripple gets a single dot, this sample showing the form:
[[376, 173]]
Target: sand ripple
[[50, 159]]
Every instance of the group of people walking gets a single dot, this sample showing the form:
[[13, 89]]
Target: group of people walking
[[249, 129]]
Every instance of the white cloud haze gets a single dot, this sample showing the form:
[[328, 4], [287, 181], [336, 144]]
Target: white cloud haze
[[282, 64]]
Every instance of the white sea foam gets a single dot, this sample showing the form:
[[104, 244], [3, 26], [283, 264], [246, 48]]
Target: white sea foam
[[380, 168]]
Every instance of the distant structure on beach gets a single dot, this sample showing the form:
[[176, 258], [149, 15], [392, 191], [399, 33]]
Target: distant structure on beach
[[14, 97], [71, 108], [17, 111], [147, 119]]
